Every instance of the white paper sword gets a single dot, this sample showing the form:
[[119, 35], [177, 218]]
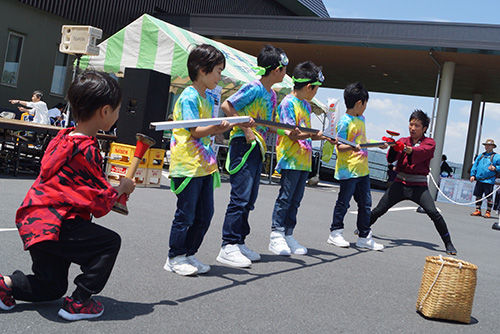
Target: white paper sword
[[168, 125]]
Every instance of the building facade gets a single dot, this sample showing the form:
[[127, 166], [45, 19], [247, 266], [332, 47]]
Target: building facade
[[30, 33]]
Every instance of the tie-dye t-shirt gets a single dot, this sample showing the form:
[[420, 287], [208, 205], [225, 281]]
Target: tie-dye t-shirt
[[254, 100], [352, 164], [190, 156], [294, 154]]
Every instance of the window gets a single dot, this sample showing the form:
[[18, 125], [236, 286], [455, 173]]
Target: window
[[59, 74], [12, 59]]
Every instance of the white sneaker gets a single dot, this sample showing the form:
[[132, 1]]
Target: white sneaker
[[295, 247], [232, 256], [248, 253], [278, 244], [369, 243], [336, 238], [202, 268], [180, 266]]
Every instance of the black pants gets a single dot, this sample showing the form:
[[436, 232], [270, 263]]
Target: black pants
[[480, 189], [89, 245], [419, 194]]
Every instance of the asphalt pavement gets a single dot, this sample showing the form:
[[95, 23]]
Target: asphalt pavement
[[334, 290]]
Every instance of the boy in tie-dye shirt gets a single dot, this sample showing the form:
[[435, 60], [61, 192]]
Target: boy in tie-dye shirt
[[246, 151], [193, 162], [352, 171], [191, 156], [294, 157]]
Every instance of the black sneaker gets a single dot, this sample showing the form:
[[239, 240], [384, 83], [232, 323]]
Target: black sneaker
[[73, 310], [6, 301], [450, 249]]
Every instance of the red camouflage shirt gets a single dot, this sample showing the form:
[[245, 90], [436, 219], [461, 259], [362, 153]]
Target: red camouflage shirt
[[71, 184]]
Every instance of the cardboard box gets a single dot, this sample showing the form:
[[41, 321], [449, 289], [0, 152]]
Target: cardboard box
[[116, 171], [123, 154], [153, 177], [155, 158]]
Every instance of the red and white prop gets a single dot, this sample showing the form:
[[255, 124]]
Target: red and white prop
[[333, 115]]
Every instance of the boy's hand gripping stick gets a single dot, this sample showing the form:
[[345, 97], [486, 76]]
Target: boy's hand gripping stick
[[143, 144]]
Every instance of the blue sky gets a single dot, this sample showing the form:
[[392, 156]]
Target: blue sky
[[397, 108]]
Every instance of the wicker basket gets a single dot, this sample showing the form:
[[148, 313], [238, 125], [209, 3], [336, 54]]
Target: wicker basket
[[447, 289]]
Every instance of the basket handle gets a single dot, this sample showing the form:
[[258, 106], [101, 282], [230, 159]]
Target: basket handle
[[433, 283]]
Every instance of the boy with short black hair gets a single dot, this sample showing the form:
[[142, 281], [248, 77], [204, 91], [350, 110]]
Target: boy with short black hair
[[193, 164], [247, 149], [294, 157], [55, 218], [352, 171]]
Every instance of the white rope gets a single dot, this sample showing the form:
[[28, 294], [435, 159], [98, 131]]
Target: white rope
[[458, 203], [433, 283]]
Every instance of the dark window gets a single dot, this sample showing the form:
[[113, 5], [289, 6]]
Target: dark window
[[12, 59]]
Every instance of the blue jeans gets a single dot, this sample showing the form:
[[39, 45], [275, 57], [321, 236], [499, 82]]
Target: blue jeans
[[195, 208], [244, 191], [360, 189], [293, 184]]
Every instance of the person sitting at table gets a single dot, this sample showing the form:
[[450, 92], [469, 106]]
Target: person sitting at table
[[36, 106], [55, 113]]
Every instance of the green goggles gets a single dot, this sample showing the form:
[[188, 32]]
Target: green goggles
[[262, 70], [319, 79]]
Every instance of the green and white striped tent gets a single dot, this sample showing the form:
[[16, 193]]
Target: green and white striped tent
[[153, 44]]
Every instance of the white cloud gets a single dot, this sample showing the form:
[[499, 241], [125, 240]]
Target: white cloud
[[376, 131], [492, 110], [387, 114], [465, 111], [382, 104], [456, 131], [454, 144]]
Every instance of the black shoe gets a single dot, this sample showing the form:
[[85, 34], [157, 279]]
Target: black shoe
[[450, 249], [496, 226], [420, 210]]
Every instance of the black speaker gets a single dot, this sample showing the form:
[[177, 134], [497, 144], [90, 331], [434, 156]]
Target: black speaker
[[145, 100]]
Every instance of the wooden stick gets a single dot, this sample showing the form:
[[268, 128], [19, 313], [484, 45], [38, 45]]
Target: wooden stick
[[365, 145], [314, 131], [143, 144], [277, 125]]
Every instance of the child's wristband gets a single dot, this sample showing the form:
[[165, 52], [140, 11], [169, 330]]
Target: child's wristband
[[281, 132]]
